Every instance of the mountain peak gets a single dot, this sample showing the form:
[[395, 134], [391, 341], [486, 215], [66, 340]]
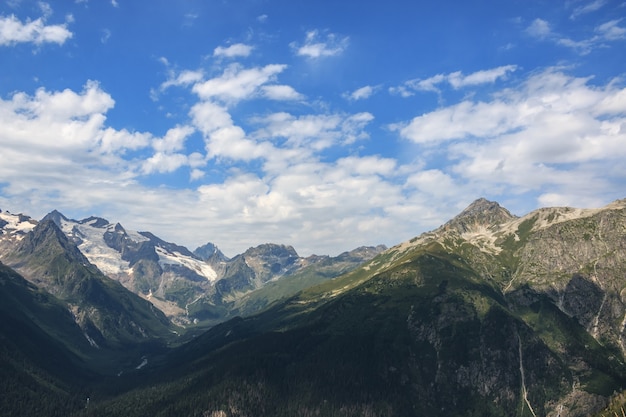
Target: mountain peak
[[55, 216], [47, 238], [209, 251], [481, 212]]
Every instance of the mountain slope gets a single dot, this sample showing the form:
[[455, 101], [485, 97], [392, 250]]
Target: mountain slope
[[42, 351], [452, 323], [109, 315]]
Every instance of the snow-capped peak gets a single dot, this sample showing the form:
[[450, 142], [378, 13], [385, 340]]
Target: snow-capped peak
[[89, 237], [16, 225]]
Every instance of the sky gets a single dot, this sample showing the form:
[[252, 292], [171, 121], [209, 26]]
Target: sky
[[317, 124]]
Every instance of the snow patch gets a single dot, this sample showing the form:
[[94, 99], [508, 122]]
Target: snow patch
[[176, 258], [93, 246], [16, 223]]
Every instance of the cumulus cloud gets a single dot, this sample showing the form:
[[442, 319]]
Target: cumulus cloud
[[13, 31], [58, 149], [237, 83], [66, 124], [233, 51], [173, 140], [320, 44], [553, 132], [163, 162]]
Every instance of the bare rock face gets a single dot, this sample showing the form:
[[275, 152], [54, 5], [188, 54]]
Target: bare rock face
[[481, 213], [577, 257]]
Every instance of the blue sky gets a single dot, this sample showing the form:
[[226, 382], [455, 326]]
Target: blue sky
[[323, 125]]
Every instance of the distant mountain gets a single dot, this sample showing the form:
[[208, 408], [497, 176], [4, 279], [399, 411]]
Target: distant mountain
[[488, 315], [189, 287], [210, 253]]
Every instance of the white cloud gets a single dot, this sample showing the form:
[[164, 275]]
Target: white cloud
[[611, 31], [231, 142], [490, 76], [174, 139], [281, 92], [116, 141], [456, 80], [65, 104], [462, 120], [587, 8], [45, 8], [554, 132], [237, 83], [362, 93], [367, 165], [184, 78], [58, 150], [196, 174], [606, 32], [163, 162], [13, 31], [434, 182], [233, 51], [209, 117], [429, 84], [316, 45], [317, 132], [539, 28]]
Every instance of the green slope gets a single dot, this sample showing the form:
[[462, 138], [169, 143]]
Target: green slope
[[42, 370], [424, 336]]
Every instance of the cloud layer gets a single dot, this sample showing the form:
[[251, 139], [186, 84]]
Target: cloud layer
[[289, 136]]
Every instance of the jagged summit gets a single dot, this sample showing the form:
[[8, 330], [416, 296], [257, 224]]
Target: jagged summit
[[47, 239], [98, 222], [210, 251], [56, 217], [481, 213]]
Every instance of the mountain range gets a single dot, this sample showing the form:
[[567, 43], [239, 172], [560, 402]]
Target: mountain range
[[200, 287], [488, 315]]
